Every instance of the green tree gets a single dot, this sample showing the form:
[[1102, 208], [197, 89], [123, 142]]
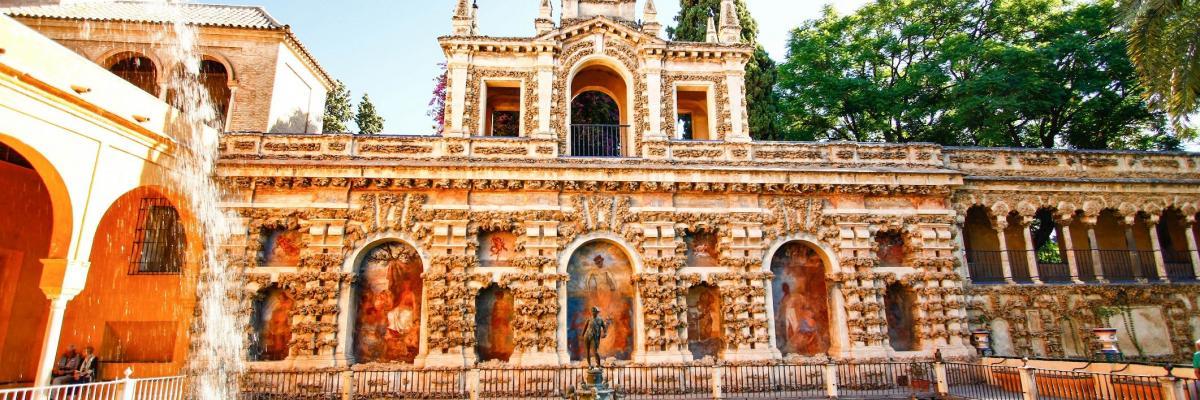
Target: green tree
[[368, 120], [338, 110], [1164, 43], [692, 25], [1030, 73]]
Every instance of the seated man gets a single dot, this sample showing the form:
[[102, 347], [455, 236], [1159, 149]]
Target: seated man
[[89, 366], [66, 366]]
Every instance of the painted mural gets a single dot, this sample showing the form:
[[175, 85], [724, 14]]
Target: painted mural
[[600, 275], [702, 249], [704, 321], [496, 248], [493, 324], [900, 302], [280, 248], [891, 249], [273, 325], [801, 300], [389, 305]]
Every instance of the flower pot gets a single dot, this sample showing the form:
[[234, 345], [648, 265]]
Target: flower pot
[[1107, 337], [983, 341]]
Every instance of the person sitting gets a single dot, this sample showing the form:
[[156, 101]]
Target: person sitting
[[66, 366], [88, 366]]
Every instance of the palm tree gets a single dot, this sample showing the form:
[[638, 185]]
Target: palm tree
[[1164, 44]]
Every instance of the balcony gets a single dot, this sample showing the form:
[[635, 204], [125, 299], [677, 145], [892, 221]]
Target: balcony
[[594, 140], [1118, 266]]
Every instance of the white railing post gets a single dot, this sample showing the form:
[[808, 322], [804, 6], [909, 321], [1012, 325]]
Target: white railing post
[[1172, 388], [473, 383], [718, 374], [1028, 383], [128, 385], [348, 385], [831, 380], [939, 372]]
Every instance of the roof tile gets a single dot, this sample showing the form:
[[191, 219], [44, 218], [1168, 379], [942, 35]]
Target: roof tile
[[153, 12]]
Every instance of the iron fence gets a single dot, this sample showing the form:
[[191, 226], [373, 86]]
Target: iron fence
[[985, 266], [598, 140], [1119, 265], [1179, 265], [1085, 264], [886, 380], [424, 384], [1077, 385], [1054, 272], [796, 381], [527, 383], [975, 381], [662, 382], [1018, 263], [272, 385]]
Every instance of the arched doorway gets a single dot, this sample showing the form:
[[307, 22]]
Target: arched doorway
[[599, 111], [140, 295], [136, 69], [494, 310], [388, 325], [26, 224], [801, 300], [600, 276], [215, 78], [272, 325]]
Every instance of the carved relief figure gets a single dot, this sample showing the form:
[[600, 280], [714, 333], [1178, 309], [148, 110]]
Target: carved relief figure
[[389, 305], [493, 324], [801, 308], [702, 249], [273, 326], [281, 248], [496, 248], [600, 276], [704, 321]]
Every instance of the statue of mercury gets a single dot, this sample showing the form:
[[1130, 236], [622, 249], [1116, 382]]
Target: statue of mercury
[[595, 330]]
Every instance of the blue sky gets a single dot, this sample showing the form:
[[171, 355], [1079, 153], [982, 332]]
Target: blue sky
[[388, 48]]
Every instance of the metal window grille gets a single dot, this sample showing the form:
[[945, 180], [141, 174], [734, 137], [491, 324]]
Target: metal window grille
[[159, 239]]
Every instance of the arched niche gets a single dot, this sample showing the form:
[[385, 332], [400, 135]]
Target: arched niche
[[135, 68], [389, 299], [597, 85], [494, 335], [801, 300], [705, 332], [215, 78], [890, 248], [271, 325], [601, 275], [900, 303]]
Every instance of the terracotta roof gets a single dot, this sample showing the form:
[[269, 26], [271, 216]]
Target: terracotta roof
[[135, 11]]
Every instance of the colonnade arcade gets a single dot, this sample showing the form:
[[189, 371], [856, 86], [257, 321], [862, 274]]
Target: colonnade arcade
[[419, 285]]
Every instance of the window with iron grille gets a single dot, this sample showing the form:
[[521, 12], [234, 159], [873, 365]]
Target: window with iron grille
[[159, 246]]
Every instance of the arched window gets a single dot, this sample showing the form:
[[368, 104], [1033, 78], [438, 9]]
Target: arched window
[[159, 240], [137, 70], [600, 276], [801, 300], [215, 79], [599, 112], [388, 327]]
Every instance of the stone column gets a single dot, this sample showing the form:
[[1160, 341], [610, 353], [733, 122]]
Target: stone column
[[545, 93], [653, 68], [225, 125], [1190, 235], [1159, 264], [1131, 246], [457, 67], [1068, 246], [999, 226], [735, 79], [1030, 251], [61, 281], [1094, 245]]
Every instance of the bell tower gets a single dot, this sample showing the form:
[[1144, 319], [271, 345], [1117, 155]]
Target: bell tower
[[623, 10]]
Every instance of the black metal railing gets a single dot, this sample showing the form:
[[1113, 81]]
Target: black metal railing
[[281, 385], [1120, 266], [411, 384], [975, 381], [886, 380], [589, 140], [1018, 263], [1179, 265], [1054, 272], [797, 381], [661, 382], [1086, 265], [985, 266], [1090, 385], [529, 383]]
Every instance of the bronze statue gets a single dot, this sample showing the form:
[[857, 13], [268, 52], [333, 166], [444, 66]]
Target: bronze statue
[[595, 330]]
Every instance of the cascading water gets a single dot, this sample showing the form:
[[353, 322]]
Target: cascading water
[[216, 357]]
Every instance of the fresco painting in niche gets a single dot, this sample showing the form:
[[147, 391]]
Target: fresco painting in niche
[[389, 305], [601, 276], [281, 248], [891, 249], [900, 302], [273, 325], [493, 324], [704, 321], [801, 300], [496, 248], [702, 249]]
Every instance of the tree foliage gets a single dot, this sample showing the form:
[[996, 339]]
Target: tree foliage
[[437, 104], [1029, 73], [692, 25], [1164, 43], [368, 119], [338, 110]]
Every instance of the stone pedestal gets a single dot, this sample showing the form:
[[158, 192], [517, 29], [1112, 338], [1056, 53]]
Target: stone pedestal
[[594, 388]]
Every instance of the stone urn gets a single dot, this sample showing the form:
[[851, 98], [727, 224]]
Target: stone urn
[[983, 341], [1107, 338]]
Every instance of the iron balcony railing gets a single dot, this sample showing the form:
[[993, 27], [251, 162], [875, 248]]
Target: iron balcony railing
[[591, 140], [985, 266], [1179, 265]]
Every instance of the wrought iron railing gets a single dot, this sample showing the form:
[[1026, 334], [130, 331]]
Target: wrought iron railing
[[589, 140], [977, 381], [985, 266], [1179, 265]]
